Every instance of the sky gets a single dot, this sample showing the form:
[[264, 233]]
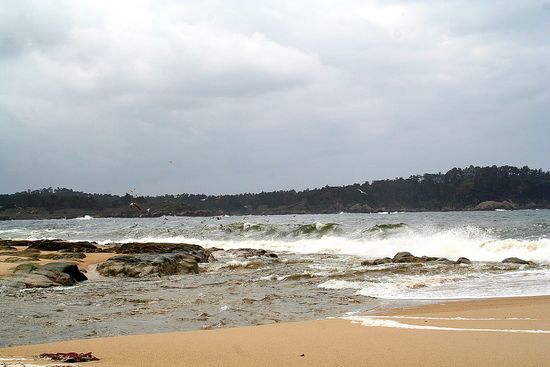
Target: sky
[[248, 96]]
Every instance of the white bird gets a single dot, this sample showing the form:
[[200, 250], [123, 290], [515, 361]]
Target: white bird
[[362, 192]]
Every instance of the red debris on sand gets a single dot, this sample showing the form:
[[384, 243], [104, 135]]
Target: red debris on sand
[[70, 357]]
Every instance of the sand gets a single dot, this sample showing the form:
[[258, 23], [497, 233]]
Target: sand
[[339, 342], [84, 264]]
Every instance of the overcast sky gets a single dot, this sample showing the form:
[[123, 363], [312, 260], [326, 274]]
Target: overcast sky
[[248, 96]]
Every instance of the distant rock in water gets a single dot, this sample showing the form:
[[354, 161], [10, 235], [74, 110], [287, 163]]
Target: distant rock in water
[[41, 276], [140, 265], [406, 257], [516, 260], [463, 260], [494, 205], [360, 208], [250, 252], [384, 260]]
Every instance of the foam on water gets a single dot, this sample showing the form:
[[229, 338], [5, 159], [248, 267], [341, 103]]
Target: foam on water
[[451, 244], [379, 322], [456, 286]]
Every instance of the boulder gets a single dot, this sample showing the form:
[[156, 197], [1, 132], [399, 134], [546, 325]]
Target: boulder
[[199, 253], [384, 260], [64, 246], [493, 205], [49, 275], [250, 252], [140, 265], [515, 260], [406, 257], [463, 260], [360, 208]]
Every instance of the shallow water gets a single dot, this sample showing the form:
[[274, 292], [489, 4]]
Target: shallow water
[[318, 273]]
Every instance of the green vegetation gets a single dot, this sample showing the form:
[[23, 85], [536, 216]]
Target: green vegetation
[[458, 189]]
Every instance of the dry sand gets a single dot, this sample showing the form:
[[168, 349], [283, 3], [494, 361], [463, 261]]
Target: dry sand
[[340, 342]]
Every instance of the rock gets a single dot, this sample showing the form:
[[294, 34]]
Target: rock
[[7, 248], [64, 246], [384, 260], [250, 252], [406, 257], [515, 260], [141, 265], [49, 275], [360, 208], [493, 205], [463, 260], [200, 254]]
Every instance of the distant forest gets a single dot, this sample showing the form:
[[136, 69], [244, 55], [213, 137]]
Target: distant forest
[[470, 188]]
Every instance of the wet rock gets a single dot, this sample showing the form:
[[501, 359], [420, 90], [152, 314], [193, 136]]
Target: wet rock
[[41, 276], [141, 265], [516, 260], [384, 260], [494, 205], [199, 253], [406, 257], [250, 252], [63, 246], [63, 256], [463, 260], [7, 248]]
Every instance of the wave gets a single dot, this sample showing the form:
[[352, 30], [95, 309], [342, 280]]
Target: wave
[[448, 244]]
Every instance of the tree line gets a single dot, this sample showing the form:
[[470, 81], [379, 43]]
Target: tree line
[[457, 189]]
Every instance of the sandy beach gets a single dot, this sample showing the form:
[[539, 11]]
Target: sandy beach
[[84, 264], [509, 332]]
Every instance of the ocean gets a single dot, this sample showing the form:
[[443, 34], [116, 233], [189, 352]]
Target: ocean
[[318, 273]]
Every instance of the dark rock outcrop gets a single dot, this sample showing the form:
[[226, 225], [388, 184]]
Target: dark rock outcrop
[[30, 275], [493, 205], [62, 246], [516, 260], [405, 257], [384, 260], [199, 253], [140, 265], [250, 252], [463, 260]]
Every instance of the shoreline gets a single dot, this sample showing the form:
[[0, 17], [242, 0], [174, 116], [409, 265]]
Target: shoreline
[[138, 215], [332, 342]]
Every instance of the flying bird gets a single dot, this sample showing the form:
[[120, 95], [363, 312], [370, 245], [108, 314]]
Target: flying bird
[[135, 205], [362, 192]]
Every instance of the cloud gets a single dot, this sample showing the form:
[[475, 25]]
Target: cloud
[[251, 96]]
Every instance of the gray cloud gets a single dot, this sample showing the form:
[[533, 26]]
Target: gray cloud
[[176, 96]]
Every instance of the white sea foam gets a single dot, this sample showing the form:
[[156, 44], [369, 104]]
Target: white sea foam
[[453, 318], [458, 286], [378, 322], [339, 284], [86, 217], [451, 244]]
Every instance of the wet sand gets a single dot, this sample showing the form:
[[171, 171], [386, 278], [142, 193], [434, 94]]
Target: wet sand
[[84, 264], [339, 342]]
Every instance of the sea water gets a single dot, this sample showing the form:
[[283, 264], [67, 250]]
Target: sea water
[[318, 273]]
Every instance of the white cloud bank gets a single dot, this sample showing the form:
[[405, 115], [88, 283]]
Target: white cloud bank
[[233, 96]]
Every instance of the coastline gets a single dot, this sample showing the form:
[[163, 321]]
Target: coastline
[[506, 340]]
